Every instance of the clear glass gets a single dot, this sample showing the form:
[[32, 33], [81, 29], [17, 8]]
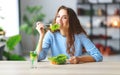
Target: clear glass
[[33, 59]]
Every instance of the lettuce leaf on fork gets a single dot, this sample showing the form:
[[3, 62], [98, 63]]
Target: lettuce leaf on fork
[[54, 27]]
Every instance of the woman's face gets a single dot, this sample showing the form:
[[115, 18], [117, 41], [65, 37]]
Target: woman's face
[[62, 19]]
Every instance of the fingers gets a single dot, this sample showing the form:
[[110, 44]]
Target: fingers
[[37, 23], [40, 27], [73, 60]]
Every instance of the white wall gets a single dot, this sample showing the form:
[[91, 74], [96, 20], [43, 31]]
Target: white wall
[[49, 6], [10, 12]]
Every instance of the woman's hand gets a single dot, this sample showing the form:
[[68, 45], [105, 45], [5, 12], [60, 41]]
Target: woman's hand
[[74, 60], [40, 28], [81, 59]]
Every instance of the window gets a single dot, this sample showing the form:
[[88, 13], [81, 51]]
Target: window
[[9, 16]]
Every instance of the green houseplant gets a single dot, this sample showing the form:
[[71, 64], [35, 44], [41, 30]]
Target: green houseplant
[[10, 44], [30, 17]]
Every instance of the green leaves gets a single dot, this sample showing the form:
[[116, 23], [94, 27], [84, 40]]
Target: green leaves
[[33, 53], [30, 17], [60, 59], [13, 41], [11, 56], [33, 9], [1, 29], [39, 17], [54, 27]]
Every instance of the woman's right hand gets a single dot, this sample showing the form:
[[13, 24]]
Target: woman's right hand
[[40, 28]]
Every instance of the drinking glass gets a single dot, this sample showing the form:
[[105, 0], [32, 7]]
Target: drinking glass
[[33, 59]]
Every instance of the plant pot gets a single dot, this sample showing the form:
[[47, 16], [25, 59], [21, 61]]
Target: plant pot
[[1, 51], [2, 33]]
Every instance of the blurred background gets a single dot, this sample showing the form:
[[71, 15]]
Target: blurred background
[[100, 18]]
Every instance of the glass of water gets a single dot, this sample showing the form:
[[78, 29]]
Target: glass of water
[[33, 59]]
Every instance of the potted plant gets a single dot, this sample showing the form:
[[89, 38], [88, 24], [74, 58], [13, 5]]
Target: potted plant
[[7, 46], [2, 45], [30, 17], [10, 44]]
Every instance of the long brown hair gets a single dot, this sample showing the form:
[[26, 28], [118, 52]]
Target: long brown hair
[[74, 28]]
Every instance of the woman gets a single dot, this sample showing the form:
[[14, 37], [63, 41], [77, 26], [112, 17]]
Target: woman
[[69, 40]]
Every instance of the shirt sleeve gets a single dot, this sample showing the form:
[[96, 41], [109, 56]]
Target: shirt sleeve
[[91, 48], [45, 46]]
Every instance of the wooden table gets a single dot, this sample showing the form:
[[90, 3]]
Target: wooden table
[[45, 68]]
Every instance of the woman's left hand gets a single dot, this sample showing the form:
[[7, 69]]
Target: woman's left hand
[[74, 60]]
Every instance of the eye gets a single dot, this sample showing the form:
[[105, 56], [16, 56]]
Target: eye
[[65, 17], [57, 16]]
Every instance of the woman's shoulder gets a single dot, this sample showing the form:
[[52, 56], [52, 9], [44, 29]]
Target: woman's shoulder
[[81, 35], [48, 33]]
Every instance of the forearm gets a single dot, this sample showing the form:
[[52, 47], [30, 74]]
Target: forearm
[[84, 59], [39, 45], [81, 59]]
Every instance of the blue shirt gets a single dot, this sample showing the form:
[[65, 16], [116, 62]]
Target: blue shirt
[[57, 44]]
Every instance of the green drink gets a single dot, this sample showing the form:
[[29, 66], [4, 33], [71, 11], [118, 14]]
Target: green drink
[[33, 58]]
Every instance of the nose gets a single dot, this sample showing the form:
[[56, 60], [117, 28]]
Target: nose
[[60, 20]]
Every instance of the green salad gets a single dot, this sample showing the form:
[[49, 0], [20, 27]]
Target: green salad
[[60, 59]]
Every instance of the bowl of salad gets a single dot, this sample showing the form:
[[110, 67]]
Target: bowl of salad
[[58, 60]]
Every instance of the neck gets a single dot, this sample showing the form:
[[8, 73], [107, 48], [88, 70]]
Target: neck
[[63, 32]]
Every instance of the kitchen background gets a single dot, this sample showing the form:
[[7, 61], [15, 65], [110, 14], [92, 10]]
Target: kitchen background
[[100, 18]]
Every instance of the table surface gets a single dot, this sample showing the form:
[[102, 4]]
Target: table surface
[[46, 68]]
